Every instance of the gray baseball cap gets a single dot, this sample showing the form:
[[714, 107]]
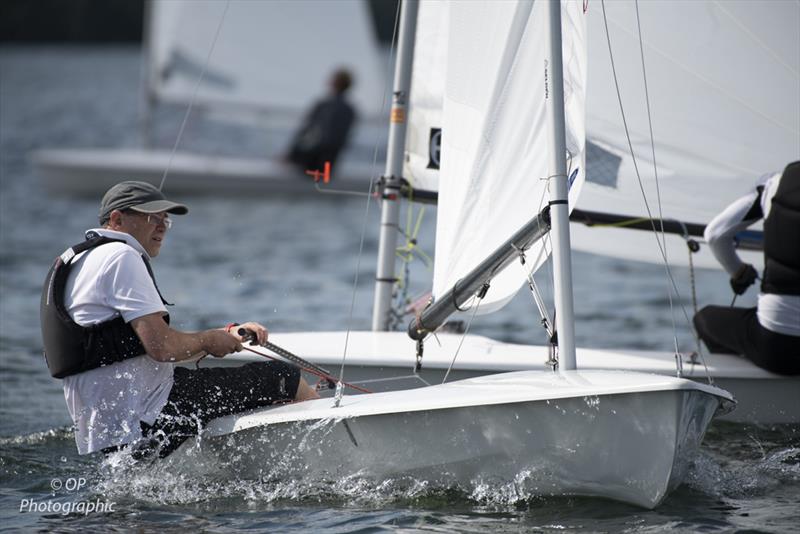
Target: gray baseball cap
[[138, 196]]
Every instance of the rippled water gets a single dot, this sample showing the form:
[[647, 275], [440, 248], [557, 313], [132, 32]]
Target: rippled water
[[290, 263]]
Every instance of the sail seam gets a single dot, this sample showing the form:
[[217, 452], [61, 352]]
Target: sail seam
[[711, 83], [755, 38]]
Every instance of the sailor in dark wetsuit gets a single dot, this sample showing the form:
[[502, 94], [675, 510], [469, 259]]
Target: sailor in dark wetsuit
[[325, 129], [768, 335], [106, 334]]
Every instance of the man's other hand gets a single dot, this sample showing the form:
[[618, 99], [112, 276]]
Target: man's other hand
[[744, 278]]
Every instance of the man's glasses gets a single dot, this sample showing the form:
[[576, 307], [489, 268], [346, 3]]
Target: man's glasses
[[153, 218], [160, 219]]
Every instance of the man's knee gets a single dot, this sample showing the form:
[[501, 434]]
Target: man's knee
[[305, 391], [699, 319]]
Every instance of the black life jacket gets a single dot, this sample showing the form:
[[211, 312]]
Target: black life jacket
[[782, 236], [70, 348]]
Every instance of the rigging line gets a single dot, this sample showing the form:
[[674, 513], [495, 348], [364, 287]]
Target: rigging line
[[418, 224], [388, 79], [194, 95], [463, 336], [548, 236], [661, 246], [341, 191], [546, 239], [537, 297], [755, 38], [529, 271], [655, 174], [392, 378], [311, 370], [543, 251], [407, 252]]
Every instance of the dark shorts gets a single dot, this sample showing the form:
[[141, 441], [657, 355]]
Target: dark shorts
[[200, 395], [728, 330]]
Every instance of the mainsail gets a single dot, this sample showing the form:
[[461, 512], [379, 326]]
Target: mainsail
[[493, 176], [722, 82]]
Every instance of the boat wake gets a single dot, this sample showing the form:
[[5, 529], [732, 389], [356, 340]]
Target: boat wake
[[745, 478]]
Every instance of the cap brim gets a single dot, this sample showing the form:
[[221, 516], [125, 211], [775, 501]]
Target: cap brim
[[157, 206]]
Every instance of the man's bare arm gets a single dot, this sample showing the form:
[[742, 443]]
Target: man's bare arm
[[166, 344]]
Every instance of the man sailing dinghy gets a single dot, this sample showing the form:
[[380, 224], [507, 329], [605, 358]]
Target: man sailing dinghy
[[107, 336]]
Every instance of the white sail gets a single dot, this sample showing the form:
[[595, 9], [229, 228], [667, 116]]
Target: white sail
[[423, 134], [275, 55], [718, 124], [723, 81], [494, 151]]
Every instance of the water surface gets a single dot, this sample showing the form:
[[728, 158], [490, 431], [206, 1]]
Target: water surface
[[290, 263]]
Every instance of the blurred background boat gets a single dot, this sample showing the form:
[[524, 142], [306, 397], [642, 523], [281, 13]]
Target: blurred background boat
[[260, 63]]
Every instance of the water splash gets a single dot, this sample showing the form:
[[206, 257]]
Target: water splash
[[203, 472], [207, 473], [592, 401], [751, 478]]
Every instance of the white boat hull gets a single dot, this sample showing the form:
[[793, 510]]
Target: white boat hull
[[90, 172], [383, 361], [624, 436]]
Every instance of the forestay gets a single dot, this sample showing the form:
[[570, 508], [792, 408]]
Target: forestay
[[493, 176], [275, 55]]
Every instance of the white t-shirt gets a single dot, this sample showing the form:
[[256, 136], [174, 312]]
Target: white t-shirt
[[107, 403], [778, 313]]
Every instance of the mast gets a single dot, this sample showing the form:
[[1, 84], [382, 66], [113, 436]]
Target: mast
[[390, 206], [559, 190]]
